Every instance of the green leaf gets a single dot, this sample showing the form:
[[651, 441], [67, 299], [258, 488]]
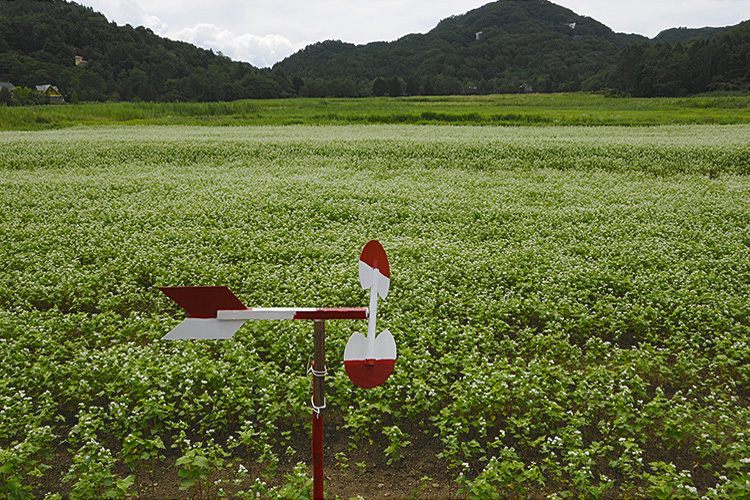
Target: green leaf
[[125, 484], [7, 468], [187, 483], [15, 488]]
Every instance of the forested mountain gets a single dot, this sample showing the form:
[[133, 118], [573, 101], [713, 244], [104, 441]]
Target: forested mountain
[[39, 42], [503, 46], [528, 45]]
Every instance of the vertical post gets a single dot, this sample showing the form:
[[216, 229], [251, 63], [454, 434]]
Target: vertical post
[[370, 356], [319, 370]]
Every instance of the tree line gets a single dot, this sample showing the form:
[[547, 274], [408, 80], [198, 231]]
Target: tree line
[[715, 64]]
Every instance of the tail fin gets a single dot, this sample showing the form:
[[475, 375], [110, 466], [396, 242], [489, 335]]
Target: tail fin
[[203, 301], [204, 328]]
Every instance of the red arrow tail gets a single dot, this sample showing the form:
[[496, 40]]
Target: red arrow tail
[[203, 301]]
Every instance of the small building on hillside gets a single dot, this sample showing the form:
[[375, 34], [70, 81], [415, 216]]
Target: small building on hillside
[[51, 93], [7, 85], [80, 61]]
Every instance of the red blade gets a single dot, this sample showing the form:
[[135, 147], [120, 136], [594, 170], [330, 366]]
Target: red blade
[[203, 301], [374, 256]]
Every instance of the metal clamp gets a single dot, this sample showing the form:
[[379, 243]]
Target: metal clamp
[[317, 373], [317, 409]]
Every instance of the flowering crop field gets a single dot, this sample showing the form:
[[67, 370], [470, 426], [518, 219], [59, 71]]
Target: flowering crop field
[[570, 307]]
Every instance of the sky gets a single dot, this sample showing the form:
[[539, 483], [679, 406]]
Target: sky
[[263, 32]]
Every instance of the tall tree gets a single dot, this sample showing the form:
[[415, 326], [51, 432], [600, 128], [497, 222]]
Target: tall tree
[[394, 87], [380, 87]]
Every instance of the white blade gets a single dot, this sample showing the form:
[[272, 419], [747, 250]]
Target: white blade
[[204, 328], [366, 279], [385, 346], [356, 347]]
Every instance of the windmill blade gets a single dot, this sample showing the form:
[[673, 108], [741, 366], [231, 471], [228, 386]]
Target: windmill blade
[[370, 370], [373, 258]]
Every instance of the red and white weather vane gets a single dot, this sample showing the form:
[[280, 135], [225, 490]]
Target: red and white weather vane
[[214, 312], [369, 361]]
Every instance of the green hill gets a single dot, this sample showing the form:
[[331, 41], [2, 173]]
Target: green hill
[[39, 42], [503, 46]]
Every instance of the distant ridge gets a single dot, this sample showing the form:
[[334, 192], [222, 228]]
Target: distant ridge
[[682, 35]]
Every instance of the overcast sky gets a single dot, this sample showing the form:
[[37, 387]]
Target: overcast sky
[[264, 32]]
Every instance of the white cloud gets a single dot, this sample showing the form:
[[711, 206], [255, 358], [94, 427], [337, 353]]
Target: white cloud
[[259, 51], [129, 12], [649, 17]]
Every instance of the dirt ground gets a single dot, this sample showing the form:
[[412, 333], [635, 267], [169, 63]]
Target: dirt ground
[[363, 473]]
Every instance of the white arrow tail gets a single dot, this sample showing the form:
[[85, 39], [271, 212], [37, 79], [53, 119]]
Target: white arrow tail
[[204, 328]]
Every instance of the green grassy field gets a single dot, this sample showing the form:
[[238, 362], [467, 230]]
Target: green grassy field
[[531, 109], [569, 303]]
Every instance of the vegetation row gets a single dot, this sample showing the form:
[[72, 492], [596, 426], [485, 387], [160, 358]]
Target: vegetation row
[[569, 305]]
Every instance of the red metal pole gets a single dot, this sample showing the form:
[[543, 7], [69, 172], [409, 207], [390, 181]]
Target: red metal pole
[[317, 457], [319, 368]]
